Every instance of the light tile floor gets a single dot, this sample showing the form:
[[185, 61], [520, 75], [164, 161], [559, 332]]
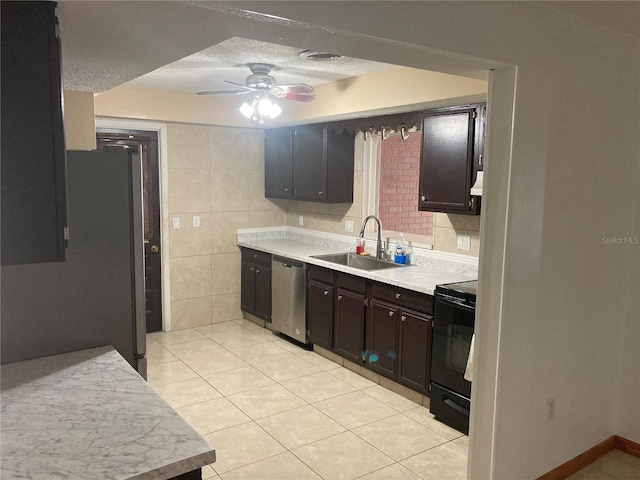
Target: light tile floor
[[274, 411]]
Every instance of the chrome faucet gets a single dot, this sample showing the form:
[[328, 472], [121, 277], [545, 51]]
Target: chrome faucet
[[379, 248]]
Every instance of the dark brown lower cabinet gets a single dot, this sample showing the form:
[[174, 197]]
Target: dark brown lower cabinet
[[382, 338], [320, 312], [415, 342], [398, 343], [349, 324], [384, 328], [193, 475], [255, 284]]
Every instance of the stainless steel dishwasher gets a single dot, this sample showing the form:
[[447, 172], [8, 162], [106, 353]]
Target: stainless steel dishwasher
[[288, 298]]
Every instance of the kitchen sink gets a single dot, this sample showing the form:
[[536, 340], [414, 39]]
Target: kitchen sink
[[362, 262]]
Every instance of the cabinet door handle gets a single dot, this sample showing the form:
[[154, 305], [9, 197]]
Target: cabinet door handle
[[255, 255], [339, 297], [403, 318], [326, 292], [391, 313], [397, 295], [252, 268], [286, 189], [320, 193], [423, 198], [258, 270]]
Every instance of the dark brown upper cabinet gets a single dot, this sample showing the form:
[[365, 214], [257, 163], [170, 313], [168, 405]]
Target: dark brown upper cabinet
[[33, 187], [451, 156], [278, 165], [311, 163]]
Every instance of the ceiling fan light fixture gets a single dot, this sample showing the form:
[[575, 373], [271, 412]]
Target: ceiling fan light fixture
[[258, 108], [265, 106], [248, 108]]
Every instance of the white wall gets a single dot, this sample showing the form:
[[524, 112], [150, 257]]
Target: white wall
[[566, 309], [557, 307], [79, 121]]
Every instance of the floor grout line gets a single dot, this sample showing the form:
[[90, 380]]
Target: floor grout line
[[280, 382]]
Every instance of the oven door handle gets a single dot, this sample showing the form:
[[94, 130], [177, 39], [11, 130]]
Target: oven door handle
[[455, 304], [450, 403]]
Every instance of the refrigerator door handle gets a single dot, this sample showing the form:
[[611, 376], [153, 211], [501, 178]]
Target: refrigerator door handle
[[137, 254]]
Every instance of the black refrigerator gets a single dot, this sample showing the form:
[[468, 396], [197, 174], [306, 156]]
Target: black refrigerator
[[95, 297]]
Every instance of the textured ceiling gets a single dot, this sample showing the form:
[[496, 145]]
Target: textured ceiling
[[108, 43], [207, 70]]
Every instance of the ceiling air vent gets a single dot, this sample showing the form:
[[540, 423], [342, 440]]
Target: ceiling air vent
[[318, 56]]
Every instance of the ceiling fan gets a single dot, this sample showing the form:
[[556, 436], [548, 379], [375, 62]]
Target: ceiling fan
[[263, 85]]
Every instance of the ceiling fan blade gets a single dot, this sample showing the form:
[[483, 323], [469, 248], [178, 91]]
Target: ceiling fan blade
[[244, 89], [293, 88], [225, 92], [251, 89], [298, 97], [298, 92]]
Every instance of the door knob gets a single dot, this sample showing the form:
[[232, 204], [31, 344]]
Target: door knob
[[155, 249], [423, 198]]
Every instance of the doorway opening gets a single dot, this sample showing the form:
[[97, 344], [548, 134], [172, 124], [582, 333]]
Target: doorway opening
[[146, 143]]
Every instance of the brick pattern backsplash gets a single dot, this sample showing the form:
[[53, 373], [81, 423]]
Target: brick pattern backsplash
[[399, 172]]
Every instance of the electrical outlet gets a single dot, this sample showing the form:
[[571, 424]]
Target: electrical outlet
[[176, 223], [300, 220], [348, 226], [464, 242], [196, 221], [551, 408]]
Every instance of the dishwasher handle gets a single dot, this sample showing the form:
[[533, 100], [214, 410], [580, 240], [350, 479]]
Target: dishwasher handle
[[287, 262]]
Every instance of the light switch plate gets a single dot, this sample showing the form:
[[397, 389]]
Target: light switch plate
[[464, 242], [196, 221], [176, 223], [348, 226]]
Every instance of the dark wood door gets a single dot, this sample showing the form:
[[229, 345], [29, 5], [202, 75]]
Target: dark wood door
[[382, 338], [147, 145], [349, 325], [278, 167], [263, 292], [415, 341], [446, 161], [33, 204], [320, 313], [309, 162]]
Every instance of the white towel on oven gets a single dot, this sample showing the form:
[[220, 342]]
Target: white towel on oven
[[468, 372]]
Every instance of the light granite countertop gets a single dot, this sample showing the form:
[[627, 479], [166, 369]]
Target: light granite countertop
[[89, 415], [429, 269]]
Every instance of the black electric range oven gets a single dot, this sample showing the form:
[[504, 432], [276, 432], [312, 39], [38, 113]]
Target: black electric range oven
[[453, 323]]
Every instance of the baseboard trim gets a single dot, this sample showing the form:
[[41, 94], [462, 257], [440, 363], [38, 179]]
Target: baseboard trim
[[626, 446], [578, 463]]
